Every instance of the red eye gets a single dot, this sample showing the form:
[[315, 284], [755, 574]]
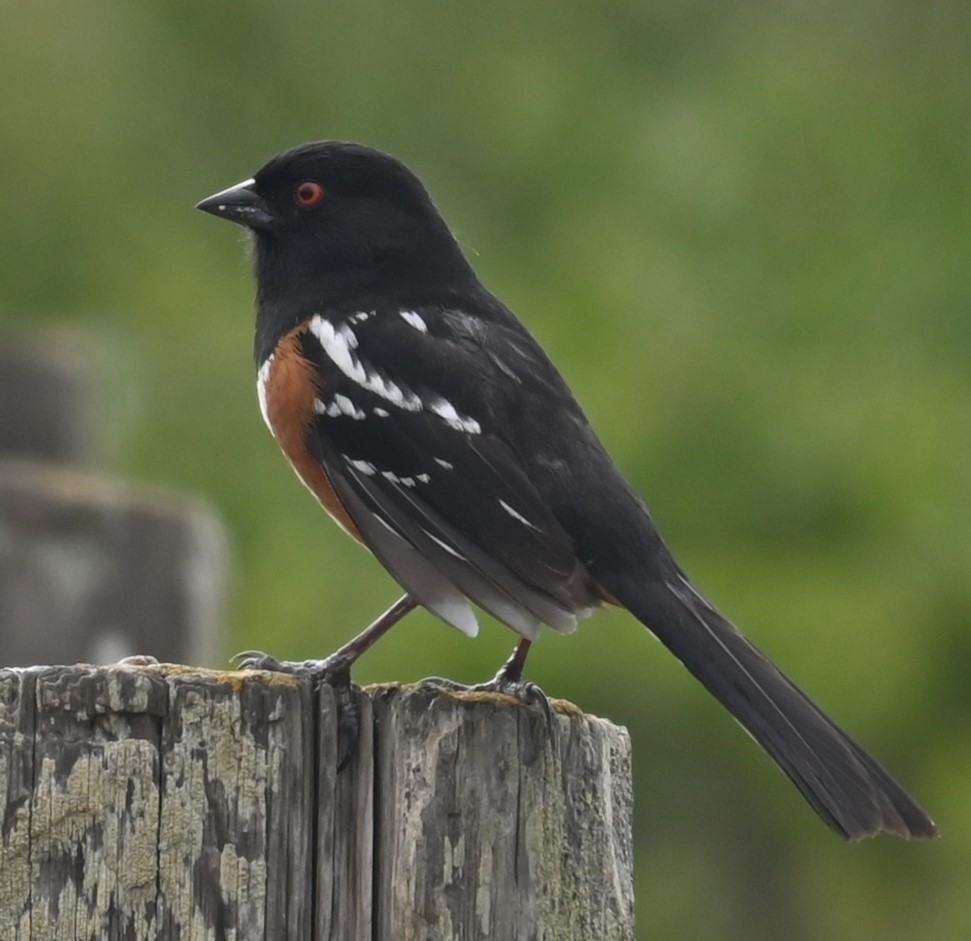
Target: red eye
[[308, 194]]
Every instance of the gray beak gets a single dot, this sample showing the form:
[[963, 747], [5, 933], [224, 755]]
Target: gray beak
[[240, 204]]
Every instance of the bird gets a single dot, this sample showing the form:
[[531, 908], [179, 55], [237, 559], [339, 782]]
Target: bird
[[430, 424]]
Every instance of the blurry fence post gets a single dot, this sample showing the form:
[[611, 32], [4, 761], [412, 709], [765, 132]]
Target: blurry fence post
[[91, 569], [163, 803], [45, 400]]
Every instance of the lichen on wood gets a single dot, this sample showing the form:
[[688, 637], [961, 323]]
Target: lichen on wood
[[163, 802]]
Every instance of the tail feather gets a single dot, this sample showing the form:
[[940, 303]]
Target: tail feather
[[847, 787]]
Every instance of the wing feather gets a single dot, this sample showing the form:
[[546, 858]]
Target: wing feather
[[439, 497]]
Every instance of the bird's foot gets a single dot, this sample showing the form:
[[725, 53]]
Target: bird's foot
[[528, 693], [508, 681], [335, 671]]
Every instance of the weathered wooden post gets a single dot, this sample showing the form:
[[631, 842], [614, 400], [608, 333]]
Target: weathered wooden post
[[168, 803]]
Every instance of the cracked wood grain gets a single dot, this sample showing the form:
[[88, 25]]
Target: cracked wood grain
[[492, 827], [170, 803]]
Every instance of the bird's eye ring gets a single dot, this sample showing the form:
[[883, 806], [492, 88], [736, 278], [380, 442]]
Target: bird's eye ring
[[308, 194]]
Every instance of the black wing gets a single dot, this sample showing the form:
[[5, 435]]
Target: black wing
[[407, 427]]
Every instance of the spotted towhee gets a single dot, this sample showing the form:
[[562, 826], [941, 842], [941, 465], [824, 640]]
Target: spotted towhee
[[433, 428]]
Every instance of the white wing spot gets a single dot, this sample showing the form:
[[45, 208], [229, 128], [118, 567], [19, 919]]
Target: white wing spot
[[446, 410], [348, 336], [361, 316], [262, 378], [424, 478], [413, 320], [517, 516], [363, 467], [380, 412], [339, 346], [395, 479], [337, 349], [441, 462], [339, 405]]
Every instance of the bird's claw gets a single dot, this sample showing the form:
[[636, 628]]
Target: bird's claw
[[533, 695], [257, 660], [528, 693], [335, 672]]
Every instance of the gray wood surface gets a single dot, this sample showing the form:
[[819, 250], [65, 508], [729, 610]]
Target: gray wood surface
[[170, 803]]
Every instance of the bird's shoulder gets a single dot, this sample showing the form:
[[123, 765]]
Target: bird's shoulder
[[471, 350]]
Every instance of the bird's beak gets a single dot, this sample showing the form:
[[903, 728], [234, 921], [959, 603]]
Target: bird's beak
[[240, 204]]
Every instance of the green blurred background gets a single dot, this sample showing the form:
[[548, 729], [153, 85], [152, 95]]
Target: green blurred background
[[742, 232]]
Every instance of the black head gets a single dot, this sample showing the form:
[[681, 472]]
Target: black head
[[337, 222]]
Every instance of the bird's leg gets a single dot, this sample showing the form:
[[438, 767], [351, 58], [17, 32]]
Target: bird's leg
[[341, 660], [511, 672], [508, 681], [335, 670]]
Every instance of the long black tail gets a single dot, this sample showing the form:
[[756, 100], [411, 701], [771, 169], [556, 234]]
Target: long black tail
[[844, 785]]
